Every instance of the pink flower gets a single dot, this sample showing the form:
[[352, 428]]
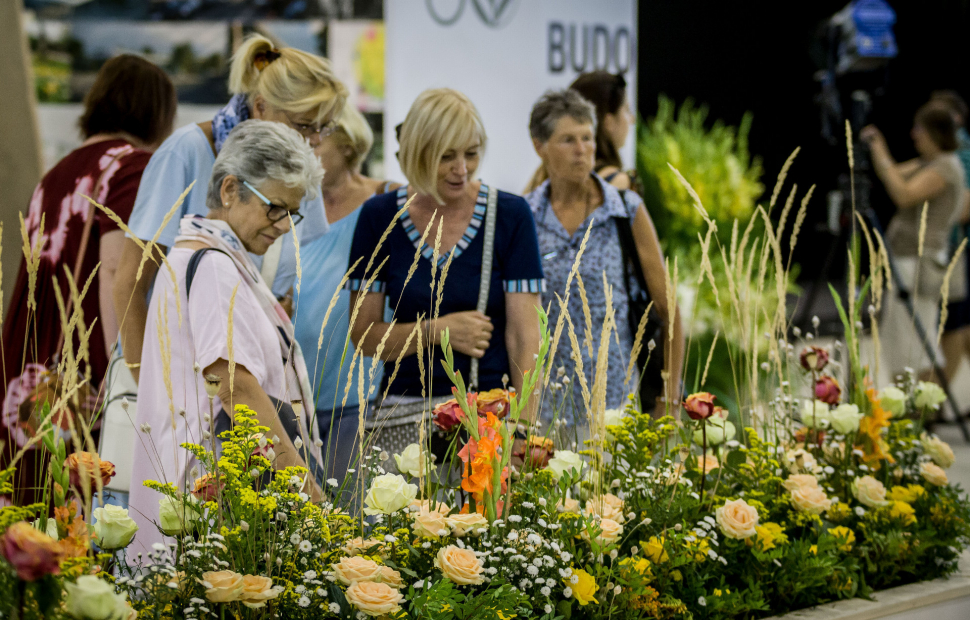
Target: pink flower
[[32, 553], [448, 415], [827, 390]]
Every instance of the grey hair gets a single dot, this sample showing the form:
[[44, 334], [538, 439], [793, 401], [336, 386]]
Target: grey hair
[[555, 104], [257, 151]]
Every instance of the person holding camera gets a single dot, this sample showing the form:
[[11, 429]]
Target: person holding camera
[[928, 192]]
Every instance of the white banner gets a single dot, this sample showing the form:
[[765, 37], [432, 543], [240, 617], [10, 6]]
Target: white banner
[[503, 54]]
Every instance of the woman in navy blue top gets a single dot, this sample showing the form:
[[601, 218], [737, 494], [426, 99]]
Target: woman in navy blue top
[[442, 139]]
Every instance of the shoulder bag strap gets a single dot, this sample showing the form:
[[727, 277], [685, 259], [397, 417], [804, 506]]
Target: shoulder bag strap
[[193, 266], [85, 237], [628, 247], [488, 254]]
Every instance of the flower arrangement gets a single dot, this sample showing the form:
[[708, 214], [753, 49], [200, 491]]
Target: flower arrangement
[[814, 487]]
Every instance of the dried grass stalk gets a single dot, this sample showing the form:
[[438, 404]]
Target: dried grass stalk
[[922, 228], [296, 244], [353, 362], [945, 289], [587, 315], [598, 395], [400, 356], [785, 210], [799, 220], [710, 356], [386, 233], [637, 343], [693, 194], [560, 322], [333, 300], [32, 259], [417, 252], [576, 354], [146, 249], [780, 181]]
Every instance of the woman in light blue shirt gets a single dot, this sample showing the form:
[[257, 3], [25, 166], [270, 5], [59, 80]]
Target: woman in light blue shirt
[[282, 85], [327, 349]]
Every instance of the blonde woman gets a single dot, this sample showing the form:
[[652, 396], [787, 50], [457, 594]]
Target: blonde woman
[[442, 142], [325, 262], [282, 85]]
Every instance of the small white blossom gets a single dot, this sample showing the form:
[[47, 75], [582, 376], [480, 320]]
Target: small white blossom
[[702, 601]]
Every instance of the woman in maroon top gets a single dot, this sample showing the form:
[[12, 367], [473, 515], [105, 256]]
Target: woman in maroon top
[[128, 112]]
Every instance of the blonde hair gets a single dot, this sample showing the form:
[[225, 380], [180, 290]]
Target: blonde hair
[[439, 120], [287, 78], [354, 131]]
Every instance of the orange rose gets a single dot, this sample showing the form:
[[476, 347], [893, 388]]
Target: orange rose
[[32, 553], [88, 466]]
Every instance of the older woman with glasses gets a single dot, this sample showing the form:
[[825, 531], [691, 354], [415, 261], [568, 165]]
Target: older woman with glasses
[[286, 86], [258, 183]]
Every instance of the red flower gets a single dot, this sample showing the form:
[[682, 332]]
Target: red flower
[[699, 406], [32, 553], [207, 488], [448, 415], [827, 390], [536, 452]]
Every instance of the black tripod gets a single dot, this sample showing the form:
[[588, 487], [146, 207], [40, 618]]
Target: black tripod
[[907, 299]]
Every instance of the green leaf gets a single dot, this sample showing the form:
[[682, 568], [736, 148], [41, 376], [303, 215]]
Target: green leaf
[[736, 458]]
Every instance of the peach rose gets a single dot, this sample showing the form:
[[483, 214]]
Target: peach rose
[[357, 546], [810, 499], [32, 553], [257, 590], [708, 463], [88, 466], [349, 570], [462, 524], [427, 505], [389, 576], [430, 525], [737, 519], [869, 491], [222, 586], [933, 474], [801, 460], [938, 450], [374, 599], [610, 532], [461, 566], [569, 505], [607, 506], [800, 481]]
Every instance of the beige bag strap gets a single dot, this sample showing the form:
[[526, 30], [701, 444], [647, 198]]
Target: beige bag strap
[[488, 255], [271, 261], [85, 237]]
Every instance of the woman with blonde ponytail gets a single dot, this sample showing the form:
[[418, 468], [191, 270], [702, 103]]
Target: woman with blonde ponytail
[[283, 85]]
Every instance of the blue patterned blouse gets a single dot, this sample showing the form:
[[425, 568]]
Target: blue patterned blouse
[[602, 255]]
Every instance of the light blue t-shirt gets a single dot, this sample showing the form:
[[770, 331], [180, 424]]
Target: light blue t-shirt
[[324, 263], [184, 157]]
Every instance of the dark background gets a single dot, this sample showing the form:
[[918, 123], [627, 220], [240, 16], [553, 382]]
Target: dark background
[[761, 56]]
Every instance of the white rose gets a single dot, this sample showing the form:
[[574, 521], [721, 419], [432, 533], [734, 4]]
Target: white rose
[[815, 414], [564, 462], [893, 400], [177, 516], [92, 598], [928, 395], [113, 528], [935, 448], [719, 430], [845, 419], [613, 417], [411, 462], [51, 527], [389, 493]]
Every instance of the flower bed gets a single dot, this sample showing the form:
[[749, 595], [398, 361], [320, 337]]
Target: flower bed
[[783, 504]]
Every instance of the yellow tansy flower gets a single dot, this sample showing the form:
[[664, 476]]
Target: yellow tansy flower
[[903, 511], [845, 536]]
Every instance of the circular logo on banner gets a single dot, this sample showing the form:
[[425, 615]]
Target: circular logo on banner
[[494, 13]]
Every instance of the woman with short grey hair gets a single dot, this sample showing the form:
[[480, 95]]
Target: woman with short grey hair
[[213, 321], [622, 239]]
